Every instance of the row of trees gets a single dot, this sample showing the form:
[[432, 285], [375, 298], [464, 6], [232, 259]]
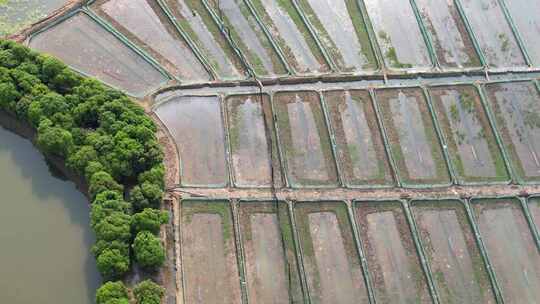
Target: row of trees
[[106, 139]]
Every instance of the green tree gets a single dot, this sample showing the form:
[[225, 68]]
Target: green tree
[[54, 140], [115, 226], [146, 195], [112, 291], [149, 220], [149, 252], [103, 181], [148, 292], [112, 264], [80, 159]]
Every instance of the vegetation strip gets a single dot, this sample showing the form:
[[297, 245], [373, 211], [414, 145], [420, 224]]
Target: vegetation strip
[[110, 143]]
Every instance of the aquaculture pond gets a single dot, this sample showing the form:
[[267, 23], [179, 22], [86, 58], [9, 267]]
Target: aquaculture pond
[[44, 231], [17, 14]]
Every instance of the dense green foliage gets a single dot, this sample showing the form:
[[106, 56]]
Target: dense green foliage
[[148, 250], [105, 138], [148, 292], [112, 293]]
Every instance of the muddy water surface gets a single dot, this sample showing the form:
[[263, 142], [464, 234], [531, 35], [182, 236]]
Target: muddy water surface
[[44, 231]]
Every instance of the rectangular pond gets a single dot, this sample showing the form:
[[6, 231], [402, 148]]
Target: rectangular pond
[[292, 35], [342, 31], [143, 22], [87, 47], [398, 34], [451, 41], [474, 151], [458, 269], [516, 107], [359, 143], [392, 259], [249, 132], [525, 16], [412, 136], [248, 34], [493, 33], [331, 259], [269, 251], [304, 139], [510, 247], [196, 125], [209, 262], [197, 23]]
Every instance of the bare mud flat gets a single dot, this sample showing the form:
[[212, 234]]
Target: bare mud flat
[[305, 140], [292, 35], [468, 134], [331, 260], [510, 247], [271, 265], [143, 22], [391, 255], [525, 17], [248, 34], [196, 124], [413, 140], [452, 43], [496, 39], [342, 30], [534, 207], [209, 260], [458, 270], [360, 147], [85, 46], [197, 23], [516, 106], [398, 34], [249, 140]]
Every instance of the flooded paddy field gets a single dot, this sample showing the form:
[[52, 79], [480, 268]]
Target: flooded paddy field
[[144, 22], [452, 44], [496, 39], [253, 153], [196, 124], [342, 31], [473, 148], [197, 23], [510, 247], [534, 208], [516, 107], [330, 256], [292, 35], [86, 46], [303, 134], [392, 260], [210, 269], [413, 139], [360, 146], [527, 23], [240, 23], [457, 266], [269, 251], [398, 34]]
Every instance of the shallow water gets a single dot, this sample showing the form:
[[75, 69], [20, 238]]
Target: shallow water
[[44, 231]]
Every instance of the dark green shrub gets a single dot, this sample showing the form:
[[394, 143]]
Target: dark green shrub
[[148, 220], [148, 292], [112, 291], [149, 252]]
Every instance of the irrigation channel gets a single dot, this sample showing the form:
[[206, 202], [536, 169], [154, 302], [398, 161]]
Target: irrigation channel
[[332, 151], [44, 231]]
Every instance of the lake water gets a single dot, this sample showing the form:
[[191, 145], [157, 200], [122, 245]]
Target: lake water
[[45, 234]]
